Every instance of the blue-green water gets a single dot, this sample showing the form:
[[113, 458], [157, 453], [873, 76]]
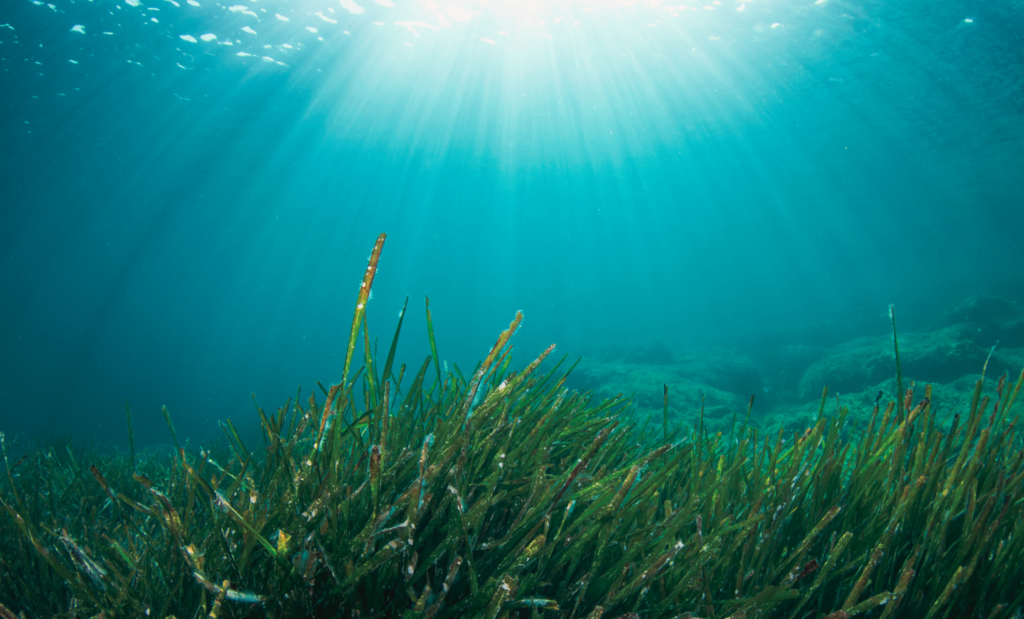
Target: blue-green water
[[185, 221]]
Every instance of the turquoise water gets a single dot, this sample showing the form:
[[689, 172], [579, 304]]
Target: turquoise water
[[185, 218]]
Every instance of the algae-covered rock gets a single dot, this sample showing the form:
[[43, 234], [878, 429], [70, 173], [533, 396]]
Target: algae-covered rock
[[689, 381], [720, 368], [992, 319], [1009, 360], [788, 379], [940, 356]]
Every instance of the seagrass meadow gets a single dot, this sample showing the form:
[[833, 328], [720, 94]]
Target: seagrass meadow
[[419, 494]]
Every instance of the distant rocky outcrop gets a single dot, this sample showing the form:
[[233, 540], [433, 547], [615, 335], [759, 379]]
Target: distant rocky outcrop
[[787, 380], [957, 345], [722, 379], [991, 318]]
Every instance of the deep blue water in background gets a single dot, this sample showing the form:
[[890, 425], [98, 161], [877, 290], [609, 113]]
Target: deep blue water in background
[[184, 225]]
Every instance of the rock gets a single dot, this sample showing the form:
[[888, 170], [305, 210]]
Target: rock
[[940, 356], [992, 319], [788, 379], [645, 383], [718, 367], [723, 369]]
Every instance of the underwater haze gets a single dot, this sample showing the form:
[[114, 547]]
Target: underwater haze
[[189, 191]]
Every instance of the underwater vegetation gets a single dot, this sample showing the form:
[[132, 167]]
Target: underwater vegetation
[[503, 494]]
